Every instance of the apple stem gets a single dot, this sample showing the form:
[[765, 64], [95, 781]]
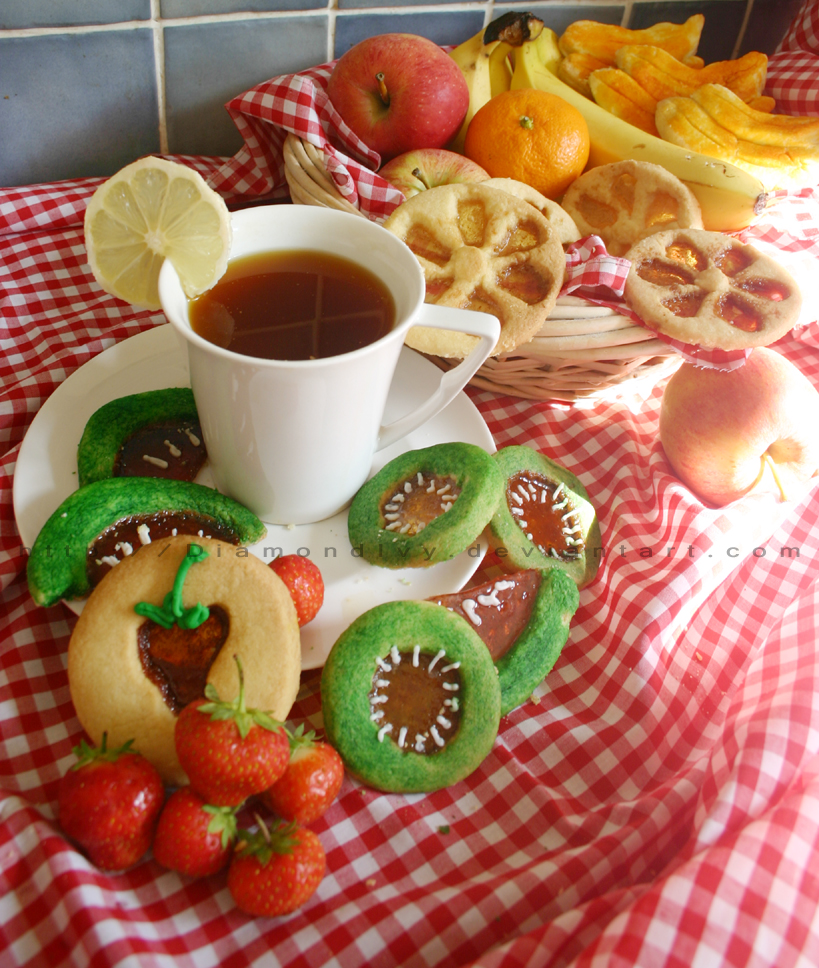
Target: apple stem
[[767, 459], [383, 93], [417, 173]]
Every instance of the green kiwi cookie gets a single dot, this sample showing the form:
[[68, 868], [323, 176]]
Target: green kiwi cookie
[[410, 697], [425, 506], [523, 618], [164, 424], [60, 564], [545, 519]]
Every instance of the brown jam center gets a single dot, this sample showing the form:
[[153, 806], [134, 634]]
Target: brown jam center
[[178, 660], [171, 450], [544, 513], [415, 699], [418, 501], [498, 610], [127, 535]]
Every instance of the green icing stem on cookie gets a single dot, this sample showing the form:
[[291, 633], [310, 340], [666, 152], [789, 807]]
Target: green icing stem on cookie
[[425, 506], [172, 611], [57, 566], [410, 697]]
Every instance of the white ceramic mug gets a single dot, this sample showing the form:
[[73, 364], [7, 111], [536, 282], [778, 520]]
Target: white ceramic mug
[[293, 440]]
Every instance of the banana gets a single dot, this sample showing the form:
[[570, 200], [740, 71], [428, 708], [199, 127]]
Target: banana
[[730, 198], [483, 60]]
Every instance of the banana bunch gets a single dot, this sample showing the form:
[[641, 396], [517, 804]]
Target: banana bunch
[[484, 61], [729, 196]]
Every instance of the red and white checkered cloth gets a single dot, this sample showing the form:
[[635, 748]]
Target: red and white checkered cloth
[[793, 70], [655, 804]]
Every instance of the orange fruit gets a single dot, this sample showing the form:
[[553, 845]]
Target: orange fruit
[[531, 136]]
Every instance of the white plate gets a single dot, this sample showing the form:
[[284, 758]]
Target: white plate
[[47, 473]]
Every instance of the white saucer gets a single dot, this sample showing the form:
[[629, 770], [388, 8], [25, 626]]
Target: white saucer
[[47, 473]]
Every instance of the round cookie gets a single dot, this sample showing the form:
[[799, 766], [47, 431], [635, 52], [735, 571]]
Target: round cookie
[[411, 697], [626, 201], [425, 506], [545, 519], [107, 658], [557, 217], [523, 618], [123, 425], [710, 290], [58, 564], [482, 249]]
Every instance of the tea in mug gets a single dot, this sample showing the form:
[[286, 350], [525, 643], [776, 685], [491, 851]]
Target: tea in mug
[[294, 305]]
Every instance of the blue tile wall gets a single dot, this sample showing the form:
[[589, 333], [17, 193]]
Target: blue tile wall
[[87, 86]]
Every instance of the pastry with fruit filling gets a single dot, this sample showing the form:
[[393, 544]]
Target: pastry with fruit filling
[[545, 519], [710, 290], [150, 434], [167, 621], [482, 249], [425, 506], [101, 524], [523, 619], [410, 697]]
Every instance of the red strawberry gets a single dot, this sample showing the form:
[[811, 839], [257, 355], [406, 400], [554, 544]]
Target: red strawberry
[[228, 751], [273, 872], [194, 837], [109, 802], [304, 582], [311, 781]]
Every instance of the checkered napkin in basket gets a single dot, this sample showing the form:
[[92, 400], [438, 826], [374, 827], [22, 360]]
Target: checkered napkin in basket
[[793, 70], [298, 103]]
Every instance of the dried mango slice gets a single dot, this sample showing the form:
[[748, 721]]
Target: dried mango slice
[[604, 40], [623, 97]]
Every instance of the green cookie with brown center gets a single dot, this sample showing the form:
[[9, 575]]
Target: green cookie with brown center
[[411, 697], [425, 506], [545, 518]]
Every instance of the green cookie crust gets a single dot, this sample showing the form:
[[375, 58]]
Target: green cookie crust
[[57, 566], [347, 680], [514, 549], [538, 647], [481, 483], [112, 424]]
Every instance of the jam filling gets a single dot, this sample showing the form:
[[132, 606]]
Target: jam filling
[[177, 660], [543, 512], [417, 502], [171, 450], [128, 534], [498, 610], [415, 699]]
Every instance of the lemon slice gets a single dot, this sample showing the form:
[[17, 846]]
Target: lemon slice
[[151, 210]]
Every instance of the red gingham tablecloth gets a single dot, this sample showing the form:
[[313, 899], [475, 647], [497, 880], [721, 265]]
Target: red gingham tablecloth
[[656, 803]]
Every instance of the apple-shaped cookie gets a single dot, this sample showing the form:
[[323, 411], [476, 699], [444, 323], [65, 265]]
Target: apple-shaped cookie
[[399, 91], [415, 171], [726, 433]]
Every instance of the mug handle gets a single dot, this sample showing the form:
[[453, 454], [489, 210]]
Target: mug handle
[[482, 325]]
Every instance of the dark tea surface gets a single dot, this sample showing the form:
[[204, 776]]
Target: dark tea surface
[[294, 305]]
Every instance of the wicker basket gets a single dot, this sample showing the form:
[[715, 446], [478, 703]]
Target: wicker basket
[[583, 351]]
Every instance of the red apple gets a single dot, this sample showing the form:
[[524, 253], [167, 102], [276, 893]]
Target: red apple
[[415, 171], [726, 433], [399, 91]]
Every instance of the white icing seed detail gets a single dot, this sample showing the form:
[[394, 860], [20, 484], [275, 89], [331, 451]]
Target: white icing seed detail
[[569, 514], [420, 527], [402, 736], [377, 700], [523, 493], [451, 666], [416, 652], [392, 507], [557, 492], [470, 607], [407, 487], [398, 497], [419, 478], [108, 560], [395, 655], [442, 721], [174, 450], [144, 534], [382, 664], [440, 655], [405, 528], [450, 686], [543, 496], [433, 732], [391, 517], [453, 704], [393, 526], [378, 714], [517, 498], [382, 683], [420, 742], [125, 547], [554, 553], [445, 506], [444, 489], [573, 530], [386, 728], [156, 461], [192, 437], [517, 511], [559, 507]]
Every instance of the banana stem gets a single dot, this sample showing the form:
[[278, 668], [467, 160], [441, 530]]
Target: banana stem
[[383, 93]]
